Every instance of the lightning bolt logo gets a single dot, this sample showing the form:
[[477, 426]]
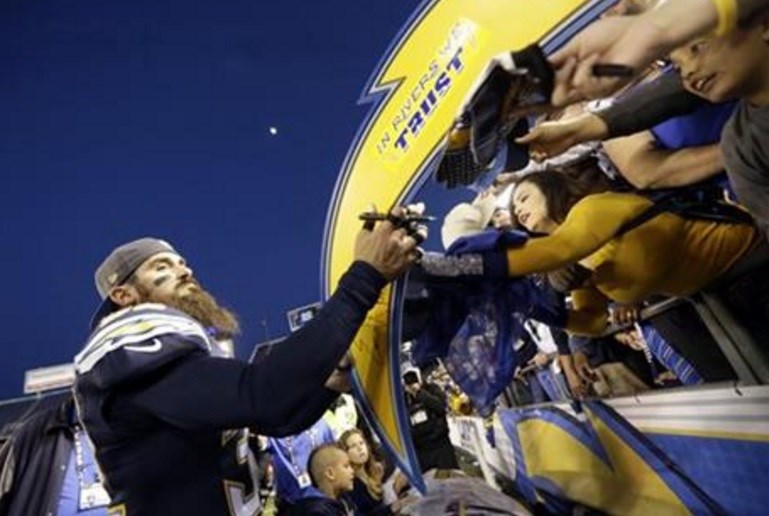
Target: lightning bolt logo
[[415, 93]]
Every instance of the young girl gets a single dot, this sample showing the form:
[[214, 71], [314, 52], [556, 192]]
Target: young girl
[[369, 474]]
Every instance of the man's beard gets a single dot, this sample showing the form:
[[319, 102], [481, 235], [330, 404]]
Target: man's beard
[[201, 306]]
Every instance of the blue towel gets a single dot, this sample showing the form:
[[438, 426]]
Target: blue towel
[[489, 240], [474, 322]]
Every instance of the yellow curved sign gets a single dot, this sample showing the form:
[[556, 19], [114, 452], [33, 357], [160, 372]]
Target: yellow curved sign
[[416, 92]]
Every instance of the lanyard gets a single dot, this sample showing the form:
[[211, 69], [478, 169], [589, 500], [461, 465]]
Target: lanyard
[[90, 495], [80, 464]]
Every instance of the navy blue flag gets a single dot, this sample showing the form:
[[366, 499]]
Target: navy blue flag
[[474, 322]]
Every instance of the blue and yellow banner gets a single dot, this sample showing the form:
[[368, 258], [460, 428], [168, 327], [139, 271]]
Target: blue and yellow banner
[[415, 93], [596, 457]]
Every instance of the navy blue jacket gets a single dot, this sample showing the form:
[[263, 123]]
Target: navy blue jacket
[[33, 462], [322, 506], [158, 406]]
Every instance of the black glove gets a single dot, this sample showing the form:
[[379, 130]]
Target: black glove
[[488, 121]]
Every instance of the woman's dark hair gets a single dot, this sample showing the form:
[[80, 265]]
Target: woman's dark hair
[[587, 172], [561, 190]]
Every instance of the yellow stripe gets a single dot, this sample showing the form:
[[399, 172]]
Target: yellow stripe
[[117, 510], [630, 486], [136, 328], [727, 16], [738, 436]]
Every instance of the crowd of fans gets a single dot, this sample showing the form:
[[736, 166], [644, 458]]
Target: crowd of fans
[[307, 474], [629, 201]]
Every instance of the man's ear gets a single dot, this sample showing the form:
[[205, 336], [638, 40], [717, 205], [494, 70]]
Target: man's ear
[[330, 474], [124, 295]]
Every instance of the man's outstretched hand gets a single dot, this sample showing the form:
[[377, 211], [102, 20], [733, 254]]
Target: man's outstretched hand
[[549, 139], [631, 42], [386, 246]]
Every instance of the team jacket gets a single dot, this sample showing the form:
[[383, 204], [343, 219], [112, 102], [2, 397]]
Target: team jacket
[[33, 462], [159, 408]]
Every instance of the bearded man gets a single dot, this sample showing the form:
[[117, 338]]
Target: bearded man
[[159, 405]]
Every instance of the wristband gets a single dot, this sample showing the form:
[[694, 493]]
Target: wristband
[[727, 16], [452, 266]]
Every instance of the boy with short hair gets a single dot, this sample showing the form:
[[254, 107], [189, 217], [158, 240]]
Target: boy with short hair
[[331, 472]]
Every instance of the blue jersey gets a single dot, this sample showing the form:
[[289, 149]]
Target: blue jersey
[[160, 409], [210, 468], [289, 458]]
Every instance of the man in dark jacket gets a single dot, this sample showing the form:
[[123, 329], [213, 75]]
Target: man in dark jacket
[[159, 406], [47, 467], [429, 429], [332, 476]]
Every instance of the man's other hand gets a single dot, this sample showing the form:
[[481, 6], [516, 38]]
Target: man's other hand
[[386, 246], [549, 139]]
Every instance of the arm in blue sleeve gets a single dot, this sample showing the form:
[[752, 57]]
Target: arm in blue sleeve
[[328, 434], [310, 411], [648, 105], [280, 394]]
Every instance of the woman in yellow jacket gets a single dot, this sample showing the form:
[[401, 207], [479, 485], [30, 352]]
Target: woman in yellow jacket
[[668, 254]]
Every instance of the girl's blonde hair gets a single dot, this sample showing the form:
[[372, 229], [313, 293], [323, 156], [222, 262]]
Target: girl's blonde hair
[[366, 473]]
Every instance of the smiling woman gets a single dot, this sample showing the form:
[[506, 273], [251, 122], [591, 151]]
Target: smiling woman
[[668, 254], [541, 202], [530, 207]]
